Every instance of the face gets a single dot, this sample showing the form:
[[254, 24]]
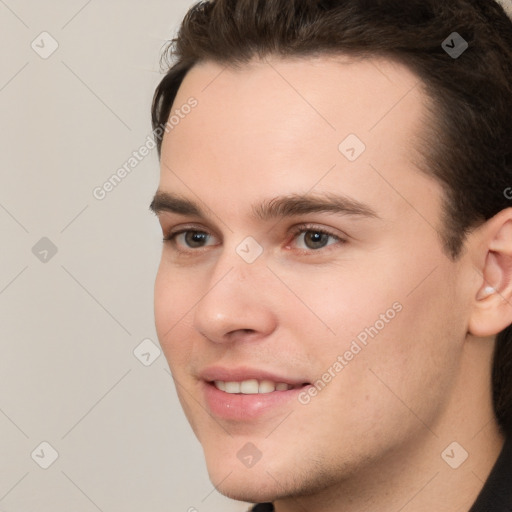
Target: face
[[303, 301]]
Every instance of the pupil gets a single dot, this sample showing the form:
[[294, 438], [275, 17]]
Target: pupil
[[195, 239], [314, 239]]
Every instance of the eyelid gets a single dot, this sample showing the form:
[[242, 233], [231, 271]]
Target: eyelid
[[341, 238], [301, 228], [175, 230], [171, 235]]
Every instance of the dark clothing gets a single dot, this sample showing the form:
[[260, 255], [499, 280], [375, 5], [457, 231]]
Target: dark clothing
[[496, 495]]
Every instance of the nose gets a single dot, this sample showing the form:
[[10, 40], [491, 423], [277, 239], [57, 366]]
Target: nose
[[238, 302]]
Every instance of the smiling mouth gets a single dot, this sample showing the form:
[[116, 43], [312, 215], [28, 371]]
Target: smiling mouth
[[253, 386]]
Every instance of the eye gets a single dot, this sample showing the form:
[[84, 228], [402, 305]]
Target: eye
[[310, 238], [190, 239]]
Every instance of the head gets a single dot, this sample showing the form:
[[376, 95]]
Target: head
[[337, 208]]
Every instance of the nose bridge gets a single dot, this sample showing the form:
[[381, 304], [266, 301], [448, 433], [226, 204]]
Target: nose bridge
[[233, 280], [235, 299], [239, 263]]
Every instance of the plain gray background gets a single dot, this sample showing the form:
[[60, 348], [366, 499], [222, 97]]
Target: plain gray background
[[71, 320]]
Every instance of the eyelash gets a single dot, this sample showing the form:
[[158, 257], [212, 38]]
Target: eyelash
[[303, 228], [311, 228]]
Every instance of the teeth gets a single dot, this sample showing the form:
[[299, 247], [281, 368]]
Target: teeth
[[251, 386], [232, 387], [219, 384], [266, 386]]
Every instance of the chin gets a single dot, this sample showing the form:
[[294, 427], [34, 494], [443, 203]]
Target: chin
[[254, 490], [238, 482]]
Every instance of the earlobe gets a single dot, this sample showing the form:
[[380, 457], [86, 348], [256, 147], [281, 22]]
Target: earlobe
[[485, 292], [492, 304]]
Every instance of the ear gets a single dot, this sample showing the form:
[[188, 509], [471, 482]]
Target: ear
[[492, 303]]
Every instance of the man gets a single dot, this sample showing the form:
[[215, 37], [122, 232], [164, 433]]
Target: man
[[334, 295]]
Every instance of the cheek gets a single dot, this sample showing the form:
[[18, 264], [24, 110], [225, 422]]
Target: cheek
[[393, 385], [399, 344], [331, 297], [164, 298], [411, 364], [172, 301], [337, 307], [176, 291]]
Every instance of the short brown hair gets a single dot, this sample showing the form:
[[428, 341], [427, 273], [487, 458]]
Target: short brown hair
[[469, 147]]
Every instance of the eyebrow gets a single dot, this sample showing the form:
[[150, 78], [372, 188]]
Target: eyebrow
[[275, 208]]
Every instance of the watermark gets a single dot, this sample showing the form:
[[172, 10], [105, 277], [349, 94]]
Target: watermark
[[249, 455], [455, 45], [100, 192], [249, 250], [44, 455], [44, 45], [44, 250], [352, 147], [454, 455], [356, 346], [508, 193], [147, 352]]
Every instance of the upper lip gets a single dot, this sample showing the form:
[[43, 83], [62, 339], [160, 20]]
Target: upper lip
[[242, 373]]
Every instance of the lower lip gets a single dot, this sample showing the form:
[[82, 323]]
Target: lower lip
[[240, 407]]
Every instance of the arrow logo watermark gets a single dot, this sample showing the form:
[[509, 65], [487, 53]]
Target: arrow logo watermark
[[249, 250], [44, 455], [147, 352], [455, 45], [455, 455], [352, 147], [44, 250], [249, 455], [44, 45]]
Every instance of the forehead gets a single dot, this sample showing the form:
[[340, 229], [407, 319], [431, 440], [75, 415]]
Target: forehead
[[296, 124]]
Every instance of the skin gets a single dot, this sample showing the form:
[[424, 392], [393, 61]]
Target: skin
[[373, 437]]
